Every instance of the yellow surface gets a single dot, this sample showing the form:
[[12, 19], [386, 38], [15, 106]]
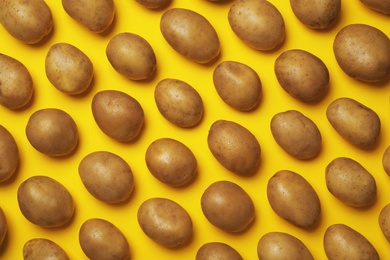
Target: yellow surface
[[132, 17]]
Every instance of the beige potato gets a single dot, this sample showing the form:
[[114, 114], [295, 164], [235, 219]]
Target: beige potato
[[302, 75], [106, 176], [355, 122], [154, 4], [42, 248], [16, 85], [258, 23], [227, 206], [363, 52], [179, 102], [9, 155], [238, 85], [190, 34], [293, 198], [165, 222], [3, 226], [386, 160], [384, 221], [45, 202], [217, 251], [343, 242], [382, 6], [118, 115]]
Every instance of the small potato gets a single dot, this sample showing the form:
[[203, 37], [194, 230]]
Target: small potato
[[302, 75], [238, 85], [100, 239], [171, 162], [154, 4], [9, 155], [165, 222], [27, 21], [179, 102], [258, 23], [132, 56], [282, 246], [217, 251], [45, 202], [227, 206], [293, 198], [190, 34], [41, 248], [386, 160], [355, 122], [296, 134], [350, 182], [118, 115], [3, 226], [52, 131], [68, 68], [343, 242], [106, 176], [384, 221], [16, 85], [363, 52], [381, 6]]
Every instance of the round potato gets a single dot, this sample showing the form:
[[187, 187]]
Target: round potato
[[217, 251], [386, 160], [381, 6], [154, 4], [384, 221], [9, 155], [3, 226], [42, 248]]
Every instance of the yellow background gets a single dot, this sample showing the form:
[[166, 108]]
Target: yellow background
[[132, 17]]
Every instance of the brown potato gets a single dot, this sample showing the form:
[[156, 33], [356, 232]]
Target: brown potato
[[3, 226], [386, 160], [9, 155], [227, 206], [42, 248], [381, 6], [217, 251], [154, 4], [384, 221]]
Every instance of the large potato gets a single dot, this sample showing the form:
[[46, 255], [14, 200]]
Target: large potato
[[384, 221], [9, 155], [42, 248], [382, 6], [217, 251], [3, 226]]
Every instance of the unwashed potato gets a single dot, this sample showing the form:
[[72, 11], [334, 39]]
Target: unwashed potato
[[3, 226], [9, 155], [343, 242], [106, 176], [386, 160], [384, 221], [190, 34], [258, 23], [42, 248], [45, 202], [227, 206], [154, 4], [217, 251], [27, 21], [382, 6], [16, 85]]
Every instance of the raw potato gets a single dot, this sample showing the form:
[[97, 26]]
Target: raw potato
[[382, 6], [171, 162], [355, 122], [52, 131], [258, 23], [386, 160], [217, 251], [100, 239], [343, 242], [45, 202], [3, 226], [302, 75], [293, 198], [9, 155], [118, 115], [238, 85], [350, 182], [384, 221], [68, 68], [227, 206], [154, 4], [190, 34], [27, 21], [363, 52], [41, 248], [132, 56], [165, 222], [296, 134], [106, 176], [16, 85], [179, 102]]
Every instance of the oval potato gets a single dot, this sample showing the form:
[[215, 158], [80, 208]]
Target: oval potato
[[217, 251], [381, 6], [386, 160], [384, 221], [42, 248], [3, 226], [9, 155]]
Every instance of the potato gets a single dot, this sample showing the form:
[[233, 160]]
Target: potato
[[384, 221], [179, 102], [302, 75], [296, 134], [45, 202], [343, 242], [238, 85], [118, 115], [9, 155], [165, 222], [68, 68], [52, 131], [16, 85], [363, 52], [96, 15], [106, 176], [171, 162], [386, 160], [355, 122], [42, 248], [154, 4], [350, 182], [293, 198], [381, 6], [3, 226], [27, 21], [318, 14], [227, 206], [190, 34], [259, 24], [217, 251], [100, 239], [132, 56], [280, 245]]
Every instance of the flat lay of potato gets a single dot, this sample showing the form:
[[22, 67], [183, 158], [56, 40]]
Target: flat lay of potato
[[3, 226], [217, 251], [9, 155], [42, 248]]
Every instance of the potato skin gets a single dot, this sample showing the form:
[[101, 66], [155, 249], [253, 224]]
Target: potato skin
[[384, 221], [9, 155], [154, 4], [378, 5], [217, 251], [3, 226], [386, 160], [42, 248]]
